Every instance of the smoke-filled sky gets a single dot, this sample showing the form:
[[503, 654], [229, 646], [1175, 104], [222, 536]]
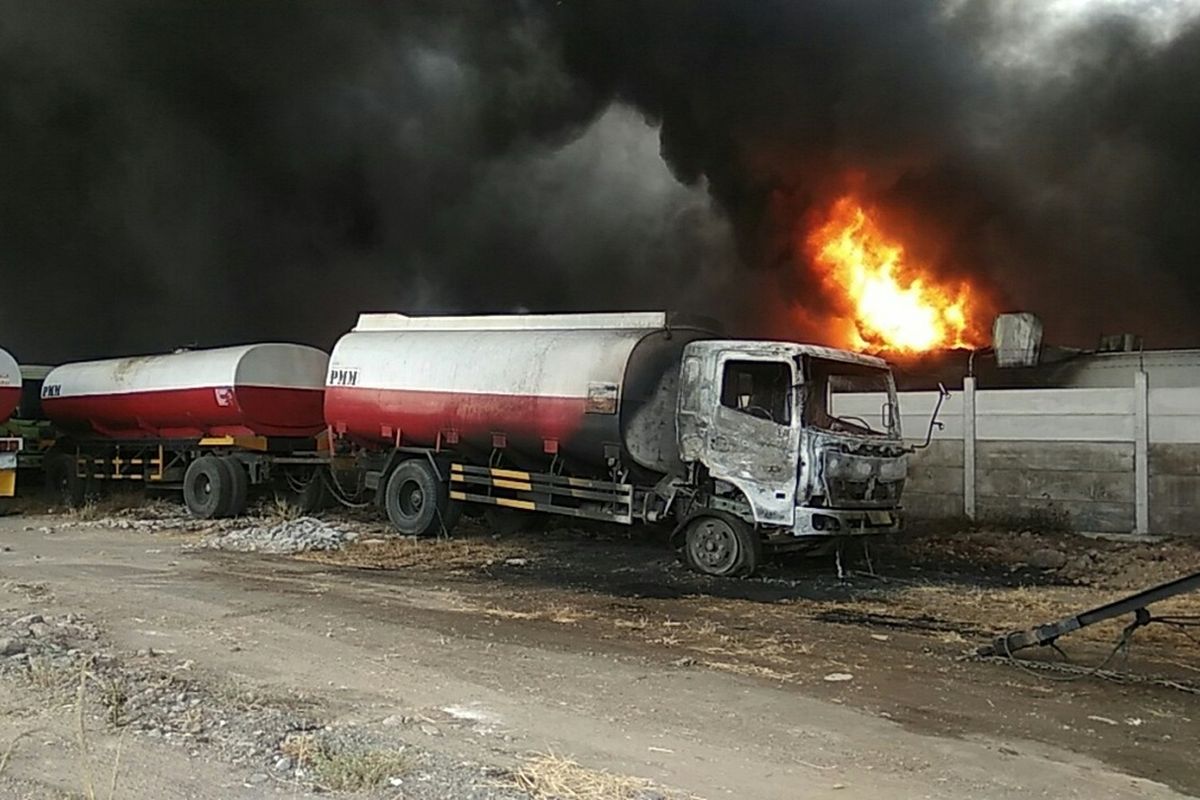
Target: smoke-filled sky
[[176, 173]]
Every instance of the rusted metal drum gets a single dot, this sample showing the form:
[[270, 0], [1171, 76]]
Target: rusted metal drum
[[250, 390]]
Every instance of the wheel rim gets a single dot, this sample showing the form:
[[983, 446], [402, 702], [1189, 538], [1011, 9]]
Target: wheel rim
[[714, 546], [412, 498], [203, 486]]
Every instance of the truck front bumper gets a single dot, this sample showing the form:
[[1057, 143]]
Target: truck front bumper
[[845, 522]]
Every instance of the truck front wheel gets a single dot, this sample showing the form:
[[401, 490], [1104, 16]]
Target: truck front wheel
[[722, 545]]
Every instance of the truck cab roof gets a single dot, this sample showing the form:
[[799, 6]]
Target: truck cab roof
[[790, 350]]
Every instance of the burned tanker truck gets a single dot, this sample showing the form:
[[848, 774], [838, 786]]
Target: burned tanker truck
[[624, 418], [618, 417]]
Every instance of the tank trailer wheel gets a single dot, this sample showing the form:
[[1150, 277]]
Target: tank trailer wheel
[[415, 498], [239, 486], [208, 487], [62, 480], [721, 545]]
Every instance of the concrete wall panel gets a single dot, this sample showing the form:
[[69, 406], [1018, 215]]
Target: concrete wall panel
[[1056, 456]]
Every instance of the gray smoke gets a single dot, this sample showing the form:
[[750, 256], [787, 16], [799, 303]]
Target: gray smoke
[[185, 172]]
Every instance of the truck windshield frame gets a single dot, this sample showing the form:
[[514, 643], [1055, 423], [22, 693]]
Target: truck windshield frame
[[821, 378]]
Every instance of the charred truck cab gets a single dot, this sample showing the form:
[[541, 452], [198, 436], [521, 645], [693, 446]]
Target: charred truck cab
[[625, 418], [764, 447]]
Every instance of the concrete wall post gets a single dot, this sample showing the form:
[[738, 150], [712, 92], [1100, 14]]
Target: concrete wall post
[[968, 423], [1141, 450]]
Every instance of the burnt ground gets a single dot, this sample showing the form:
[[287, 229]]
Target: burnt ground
[[598, 645], [904, 630]]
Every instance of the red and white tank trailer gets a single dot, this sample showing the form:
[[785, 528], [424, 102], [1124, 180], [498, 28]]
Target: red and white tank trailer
[[10, 446], [210, 422], [617, 417]]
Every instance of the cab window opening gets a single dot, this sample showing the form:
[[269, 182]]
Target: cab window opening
[[760, 389]]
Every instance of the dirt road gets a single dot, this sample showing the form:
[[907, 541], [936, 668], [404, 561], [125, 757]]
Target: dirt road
[[604, 652]]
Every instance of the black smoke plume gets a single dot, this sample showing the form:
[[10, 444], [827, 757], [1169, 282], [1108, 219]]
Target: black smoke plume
[[180, 173]]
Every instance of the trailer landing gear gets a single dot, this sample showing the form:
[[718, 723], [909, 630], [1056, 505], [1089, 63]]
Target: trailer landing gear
[[721, 545]]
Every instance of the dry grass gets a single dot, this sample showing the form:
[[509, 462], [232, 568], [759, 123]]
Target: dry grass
[[351, 771], [44, 674], [546, 776], [752, 670], [358, 772], [398, 553], [108, 504], [90, 510], [558, 613], [998, 609], [278, 509], [12, 747]]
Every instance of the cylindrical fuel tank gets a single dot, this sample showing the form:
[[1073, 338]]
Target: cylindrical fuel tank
[[586, 387], [251, 390], [10, 385]]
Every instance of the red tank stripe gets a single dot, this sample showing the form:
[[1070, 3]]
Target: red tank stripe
[[10, 398], [192, 413], [421, 416]]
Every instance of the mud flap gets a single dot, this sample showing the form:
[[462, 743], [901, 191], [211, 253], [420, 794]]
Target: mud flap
[[8, 473]]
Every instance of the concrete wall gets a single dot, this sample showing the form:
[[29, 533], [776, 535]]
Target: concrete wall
[[1110, 460], [1087, 485], [935, 481], [1175, 488]]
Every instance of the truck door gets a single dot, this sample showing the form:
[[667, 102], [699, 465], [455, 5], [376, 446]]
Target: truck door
[[753, 439]]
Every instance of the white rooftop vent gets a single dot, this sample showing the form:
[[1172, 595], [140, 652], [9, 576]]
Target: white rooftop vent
[[1017, 339]]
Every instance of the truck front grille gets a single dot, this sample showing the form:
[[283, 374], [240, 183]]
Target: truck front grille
[[843, 492]]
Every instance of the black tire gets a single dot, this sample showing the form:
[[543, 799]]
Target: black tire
[[721, 545], [451, 516], [239, 486], [208, 488], [415, 498], [63, 483]]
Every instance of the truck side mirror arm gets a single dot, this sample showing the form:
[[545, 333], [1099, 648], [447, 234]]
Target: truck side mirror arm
[[934, 422]]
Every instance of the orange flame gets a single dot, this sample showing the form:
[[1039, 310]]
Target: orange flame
[[895, 305]]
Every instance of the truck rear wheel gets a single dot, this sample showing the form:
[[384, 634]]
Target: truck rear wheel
[[722, 545], [416, 499], [62, 480], [208, 488], [239, 486]]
